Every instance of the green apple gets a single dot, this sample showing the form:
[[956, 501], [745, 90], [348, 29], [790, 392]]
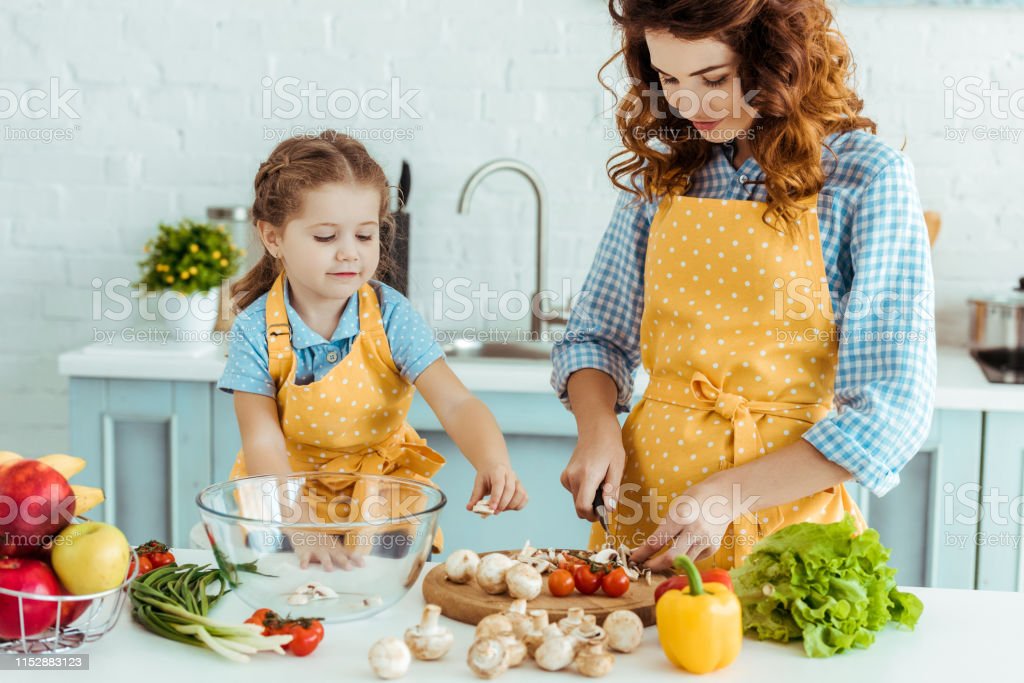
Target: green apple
[[90, 557]]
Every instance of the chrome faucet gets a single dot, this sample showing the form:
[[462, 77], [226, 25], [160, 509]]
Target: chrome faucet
[[536, 323]]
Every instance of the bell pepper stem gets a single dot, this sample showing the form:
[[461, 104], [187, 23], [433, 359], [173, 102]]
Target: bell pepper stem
[[684, 563]]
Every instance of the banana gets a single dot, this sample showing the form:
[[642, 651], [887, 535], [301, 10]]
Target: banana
[[8, 456], [67, 465], [86, 498]]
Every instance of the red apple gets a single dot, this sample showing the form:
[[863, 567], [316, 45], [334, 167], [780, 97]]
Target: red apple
[[27, 576], [71, 609], [36, 502]]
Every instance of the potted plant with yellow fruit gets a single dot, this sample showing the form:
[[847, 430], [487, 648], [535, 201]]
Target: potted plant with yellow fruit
[[187, 264]]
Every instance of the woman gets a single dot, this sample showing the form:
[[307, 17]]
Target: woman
[[768, 263]]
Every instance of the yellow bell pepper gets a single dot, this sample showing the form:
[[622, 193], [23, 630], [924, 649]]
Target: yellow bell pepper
[[700, 628]]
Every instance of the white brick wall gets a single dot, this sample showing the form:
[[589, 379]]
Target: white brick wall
[[170, 105]]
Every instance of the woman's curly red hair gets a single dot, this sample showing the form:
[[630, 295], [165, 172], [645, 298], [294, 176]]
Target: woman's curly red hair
[[790, 53]]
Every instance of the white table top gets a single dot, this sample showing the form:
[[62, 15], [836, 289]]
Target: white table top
[[962, 635], [961, 383]]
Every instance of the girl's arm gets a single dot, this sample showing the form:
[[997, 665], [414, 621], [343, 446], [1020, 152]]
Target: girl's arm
[[262, 440], [476, 433]]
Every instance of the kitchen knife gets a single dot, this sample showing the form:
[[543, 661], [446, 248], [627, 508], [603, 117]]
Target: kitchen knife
[[404, 186], [601, 510]]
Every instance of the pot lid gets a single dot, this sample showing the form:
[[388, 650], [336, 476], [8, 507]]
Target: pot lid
[[1013, 297]]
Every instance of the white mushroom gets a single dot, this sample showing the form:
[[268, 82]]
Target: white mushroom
[[556, 652], [514, 647], [524, 582], [516, 613], [488, 658], [492, 626], [461, 566], [588, 632], [573, 619], [389, 658], [490, 575], [535, 636], [625, 630], [428, 640], [594, 661]]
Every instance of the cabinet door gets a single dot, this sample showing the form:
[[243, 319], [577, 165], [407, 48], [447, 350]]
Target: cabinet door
[[148, 446], [1000, 504], [540, 435], [928, 546]]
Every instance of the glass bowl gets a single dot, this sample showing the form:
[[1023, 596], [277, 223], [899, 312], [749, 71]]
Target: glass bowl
[[376, 531]]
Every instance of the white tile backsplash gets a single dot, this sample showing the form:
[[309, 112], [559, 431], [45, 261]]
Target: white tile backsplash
[[171, 121]]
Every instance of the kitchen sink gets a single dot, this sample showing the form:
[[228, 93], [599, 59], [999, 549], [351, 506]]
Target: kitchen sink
[[467, 349]]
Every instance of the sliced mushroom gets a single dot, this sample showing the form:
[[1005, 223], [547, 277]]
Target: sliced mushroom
[[429, 640], [524, 582], [594, 661], [488, 658], [483, 509], [308, 592], [625, 630], [389, 658], [490, 575], [461, 566]]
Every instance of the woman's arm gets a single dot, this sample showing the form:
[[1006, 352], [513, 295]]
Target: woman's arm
[[594, 362], [262, 439], [474, 430]]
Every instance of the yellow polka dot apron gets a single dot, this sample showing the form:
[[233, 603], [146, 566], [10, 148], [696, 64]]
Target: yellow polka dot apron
[[352, 420], [737, 369]]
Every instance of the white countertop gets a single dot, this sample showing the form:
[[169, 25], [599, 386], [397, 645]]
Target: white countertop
[[961, 383], [962, 635]]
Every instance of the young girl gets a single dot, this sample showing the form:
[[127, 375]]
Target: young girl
[[324, 359]]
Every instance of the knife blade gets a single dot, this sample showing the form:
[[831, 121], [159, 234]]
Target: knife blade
[[601, 510]]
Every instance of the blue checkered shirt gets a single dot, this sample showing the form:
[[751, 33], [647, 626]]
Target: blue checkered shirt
[[877, 258]]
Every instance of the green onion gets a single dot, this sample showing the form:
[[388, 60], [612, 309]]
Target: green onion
[[172, 601]]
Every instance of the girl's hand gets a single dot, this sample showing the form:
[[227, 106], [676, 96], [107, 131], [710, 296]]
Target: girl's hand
[[502, 485], [328, 550], [694, 526], [597, 460]]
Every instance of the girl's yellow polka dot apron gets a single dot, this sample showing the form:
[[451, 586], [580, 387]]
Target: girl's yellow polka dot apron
[[351, 420], [740, 363]]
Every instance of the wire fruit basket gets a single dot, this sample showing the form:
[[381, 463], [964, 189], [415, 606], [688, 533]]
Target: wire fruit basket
[[78, 619]]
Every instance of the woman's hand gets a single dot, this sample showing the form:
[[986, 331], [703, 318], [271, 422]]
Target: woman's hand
[[503, 487], [694, 526], [597, 460]]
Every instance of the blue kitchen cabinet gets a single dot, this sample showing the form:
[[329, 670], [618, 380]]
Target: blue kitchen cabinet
[[998, 504], [148, 446], [153, 445]]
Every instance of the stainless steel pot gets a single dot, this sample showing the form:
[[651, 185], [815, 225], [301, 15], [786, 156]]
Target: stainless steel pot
[[996, 335]]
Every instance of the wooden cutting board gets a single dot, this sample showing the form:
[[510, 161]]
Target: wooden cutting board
[[469, 603]]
